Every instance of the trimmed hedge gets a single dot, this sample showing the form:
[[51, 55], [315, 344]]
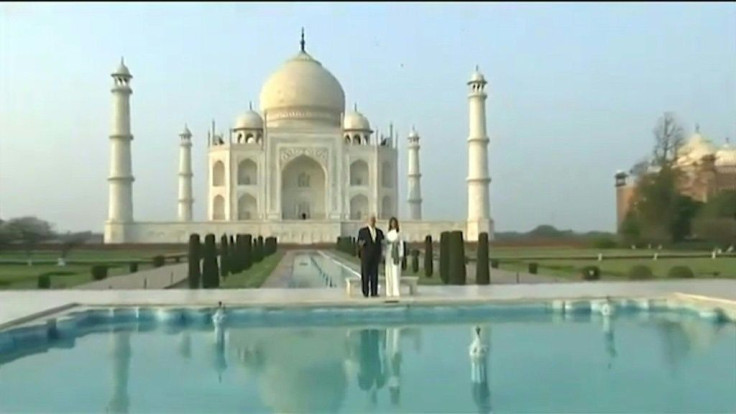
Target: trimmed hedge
[[404, 258], [414, 261], [248, 252], [590, 273], [482, 272], [99, 272], [445, 257], [533, 267], [457, 272], [210, 270], [133, 267], [681, 272], [158, 261], [224, 256], [428, 257], [494, 263], [194, 272], [640, 272], [271, 245], [44, 282]]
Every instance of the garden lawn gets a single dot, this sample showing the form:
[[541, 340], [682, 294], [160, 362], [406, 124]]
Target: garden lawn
[[87, 256], [26, 277], [723, 267], [255, 276]]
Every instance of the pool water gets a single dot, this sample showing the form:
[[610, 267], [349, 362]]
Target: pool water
[[539, 363]]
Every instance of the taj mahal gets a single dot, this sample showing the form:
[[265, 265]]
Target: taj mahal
[[303, 169]]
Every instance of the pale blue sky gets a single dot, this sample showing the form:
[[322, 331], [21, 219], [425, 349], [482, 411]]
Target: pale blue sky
[[575, 90]]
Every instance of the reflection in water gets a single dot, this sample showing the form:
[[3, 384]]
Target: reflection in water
[[121, 354], [479, 369], [219, 362], [608, 338], [393, 362], [680, 336], [185, 344], [371, 376]]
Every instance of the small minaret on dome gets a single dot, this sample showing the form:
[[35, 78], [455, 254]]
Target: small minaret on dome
[[302, 43], [186, 199], [479, 204], [414, 177], [120, 180]]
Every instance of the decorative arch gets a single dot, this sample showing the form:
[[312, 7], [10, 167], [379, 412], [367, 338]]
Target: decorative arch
[[359, 173], [218, 208], [218, 174], [387, 174], [386, 208], [358, 207], [247, 207], [247, 172], [303, 189], [356, 139], [347, 139]]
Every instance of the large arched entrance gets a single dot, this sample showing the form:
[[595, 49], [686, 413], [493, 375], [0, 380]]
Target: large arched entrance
[[303, 190]]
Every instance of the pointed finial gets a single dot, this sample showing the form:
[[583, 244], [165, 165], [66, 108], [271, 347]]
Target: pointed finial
[[697, 128], [122, 60], [302, 42], [355, 107], [250, 105], [477, 69]]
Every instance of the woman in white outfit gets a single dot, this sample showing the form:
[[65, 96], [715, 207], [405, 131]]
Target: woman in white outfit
[[394, 254]]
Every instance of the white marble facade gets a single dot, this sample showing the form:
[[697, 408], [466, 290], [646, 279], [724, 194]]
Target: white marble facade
[[302, 168]]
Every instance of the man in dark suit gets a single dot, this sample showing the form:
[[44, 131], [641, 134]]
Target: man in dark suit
[[370, 241]]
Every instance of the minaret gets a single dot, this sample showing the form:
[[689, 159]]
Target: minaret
[[120, 181], [121, 355], [185, 176], [479, 208], [414, 177]]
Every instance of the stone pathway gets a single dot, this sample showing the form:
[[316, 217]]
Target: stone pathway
[[157, 278], [283, 271]]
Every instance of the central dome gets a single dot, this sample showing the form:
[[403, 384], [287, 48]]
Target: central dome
[[302, 90]]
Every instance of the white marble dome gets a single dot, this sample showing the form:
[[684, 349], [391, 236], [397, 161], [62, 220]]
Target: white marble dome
[[355, 121], [695, 149], [302, 89], [726, 156], [249, 120]]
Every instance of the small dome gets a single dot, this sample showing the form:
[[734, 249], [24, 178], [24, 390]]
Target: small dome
[[249, 120], [726, 156], [122, 70], [694, 150], [302, 89], [355, 121], [413, 133], [477, 76]]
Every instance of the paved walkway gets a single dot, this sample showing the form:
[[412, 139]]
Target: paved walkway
[[157, 278], [283, 271]]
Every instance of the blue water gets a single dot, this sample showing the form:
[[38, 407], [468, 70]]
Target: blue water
[[533, 363]]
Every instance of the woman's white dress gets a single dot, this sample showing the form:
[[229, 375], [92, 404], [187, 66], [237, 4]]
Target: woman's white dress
[[394, 253]]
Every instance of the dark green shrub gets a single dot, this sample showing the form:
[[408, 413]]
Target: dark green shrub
[[177, 259], [428, 257], [482, 272], [44, 281], [605, 243], [270, 246], [445, 256], [415, 261], [590, 273], [224, 256], [256, 251], [133, 267], [158, 261], [680, 272], [404, 258], [248, 252], [457, 275], [261, 249], [194, 272], [210, 270], [494, 263], [639, 272], [533, 267], [99, 272]]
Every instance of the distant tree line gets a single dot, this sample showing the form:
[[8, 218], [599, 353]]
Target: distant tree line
[[30, 231]]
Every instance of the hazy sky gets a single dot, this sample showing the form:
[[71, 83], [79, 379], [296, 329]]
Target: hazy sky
[[574, 93]]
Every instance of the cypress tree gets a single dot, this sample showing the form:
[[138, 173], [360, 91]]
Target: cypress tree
[[457, 258], [404, 258], [261, 249], [224, 256], [428, 257], [415, 261], [247, 251], [210, 271], [445, 257], [194, 272], [482, 272]]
